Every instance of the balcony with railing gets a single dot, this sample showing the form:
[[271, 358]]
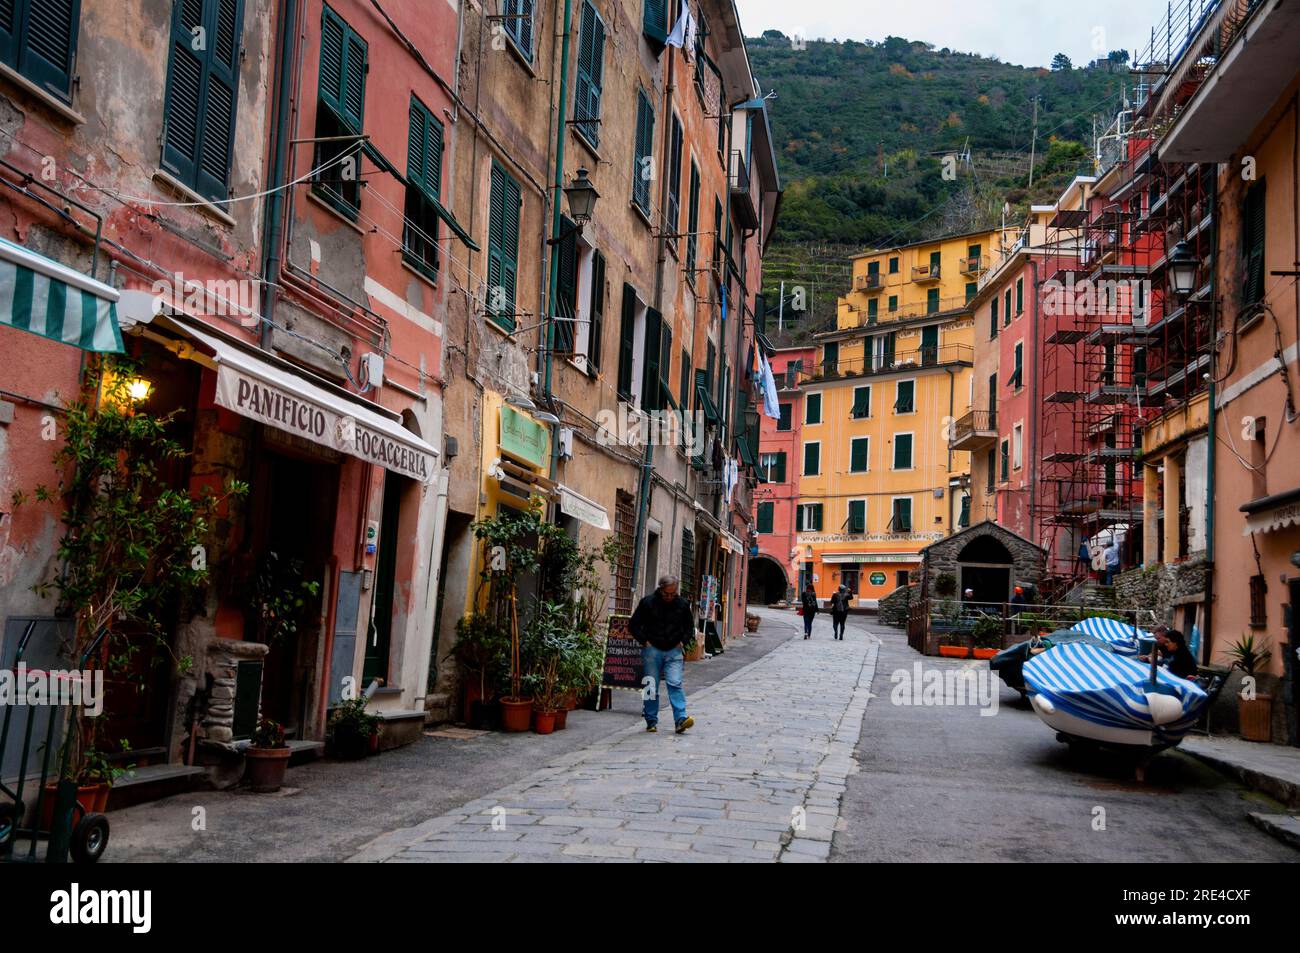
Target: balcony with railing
[[930, 272], [872, 281], [975, 431], [742, 199], [974, 265], [851, 317], [937, 355]]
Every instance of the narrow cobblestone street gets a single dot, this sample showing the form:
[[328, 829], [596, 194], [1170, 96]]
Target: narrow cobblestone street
[[759, 778]]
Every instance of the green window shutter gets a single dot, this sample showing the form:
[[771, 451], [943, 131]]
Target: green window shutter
[[202, 87], [784, 421], [665, 364], [424, 150], [591, 71], [1020, 295], [905, 397], [693, 222], [993, 317], [857, 521], [813, 409], [1006, 459], [858, 447], [862, 402], [38, 38], [626, 343], [893, 302], [672, 214], [764, 520], [1252, 244], [902, 516], [812, 459], [873, 268], [654, 20], [650, 371], [932, 301], [518, 25], [817, 517], [903, 451], [564, 308], [972, 289], [596, 333], [1006, 308], [343, 70], [645, 130], [873, 309], [503, 247], [778, 468]]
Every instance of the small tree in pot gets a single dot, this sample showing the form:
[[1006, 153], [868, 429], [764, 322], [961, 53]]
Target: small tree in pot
[[352, 728], [482, 648], [1254, 710]]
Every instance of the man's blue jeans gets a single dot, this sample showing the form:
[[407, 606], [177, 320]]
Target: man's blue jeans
[[670, 666]]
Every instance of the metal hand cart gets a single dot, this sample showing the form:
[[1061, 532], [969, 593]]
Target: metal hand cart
[[72, 828]]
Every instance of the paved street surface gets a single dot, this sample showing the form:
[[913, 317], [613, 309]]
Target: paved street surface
[[759, 778], [799, 755]]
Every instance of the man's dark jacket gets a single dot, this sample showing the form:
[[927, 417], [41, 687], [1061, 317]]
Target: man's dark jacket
[[665, 624]]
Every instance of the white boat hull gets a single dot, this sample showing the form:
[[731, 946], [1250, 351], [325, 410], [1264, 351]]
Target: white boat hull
[[1103, 734]]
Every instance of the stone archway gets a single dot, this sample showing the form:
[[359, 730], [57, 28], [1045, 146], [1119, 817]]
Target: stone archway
[[985, 567], [767, 581]]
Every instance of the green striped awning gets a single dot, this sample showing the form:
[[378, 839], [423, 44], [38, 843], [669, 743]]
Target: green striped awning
[[40, 295]]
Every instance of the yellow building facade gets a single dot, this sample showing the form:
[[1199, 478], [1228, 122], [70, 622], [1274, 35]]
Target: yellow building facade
[[878, 481]]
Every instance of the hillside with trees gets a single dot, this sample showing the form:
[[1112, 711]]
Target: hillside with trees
[[863, 129]]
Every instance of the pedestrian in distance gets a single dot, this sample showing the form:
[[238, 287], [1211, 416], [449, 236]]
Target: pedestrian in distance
[[663, 623], [1085, 559], [839, 612], [809, 605]]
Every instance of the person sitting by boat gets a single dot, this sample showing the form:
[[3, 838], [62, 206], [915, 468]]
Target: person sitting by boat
[[1174, 653]]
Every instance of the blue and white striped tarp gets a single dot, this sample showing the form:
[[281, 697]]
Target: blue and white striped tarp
[[1122, 636], [1106, 689]]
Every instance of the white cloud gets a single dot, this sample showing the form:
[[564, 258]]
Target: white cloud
[[1026, 32]]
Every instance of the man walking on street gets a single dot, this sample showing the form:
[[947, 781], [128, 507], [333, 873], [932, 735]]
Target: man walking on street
[[808, 605], [662, 623], [1112, 562], [839, 612]]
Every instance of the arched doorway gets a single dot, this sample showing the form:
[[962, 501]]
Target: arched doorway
[[985, 566], [767, 582]]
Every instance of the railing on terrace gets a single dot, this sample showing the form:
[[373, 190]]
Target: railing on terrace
[[926, 272], [739, 177], [974, 264], [918, 310], [1171, 37], [974, 422], [871, 281], [932, 356]]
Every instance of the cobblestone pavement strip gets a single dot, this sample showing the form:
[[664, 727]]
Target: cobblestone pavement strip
[[759, 778]]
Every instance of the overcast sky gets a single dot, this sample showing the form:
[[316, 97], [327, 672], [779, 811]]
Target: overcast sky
[[1025, 32]]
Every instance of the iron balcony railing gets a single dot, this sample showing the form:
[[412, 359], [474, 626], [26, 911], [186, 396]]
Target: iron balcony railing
[[974, 264], [887, 363], [920, 309], [871, 281], [926, 273]]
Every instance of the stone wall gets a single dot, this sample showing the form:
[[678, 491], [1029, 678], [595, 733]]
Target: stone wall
[[1160, 587], [892, 609], [941, 557]]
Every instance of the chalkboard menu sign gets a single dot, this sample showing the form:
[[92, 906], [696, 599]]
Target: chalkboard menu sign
[[622, 656]]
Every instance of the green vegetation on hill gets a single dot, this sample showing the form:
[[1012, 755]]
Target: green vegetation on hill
[[862, 129]]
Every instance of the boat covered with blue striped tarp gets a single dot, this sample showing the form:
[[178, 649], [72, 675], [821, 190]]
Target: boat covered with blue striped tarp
[[1088, 692], [1122, 636]]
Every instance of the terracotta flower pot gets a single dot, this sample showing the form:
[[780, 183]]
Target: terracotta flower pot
[[954, 651], [985, 653], [545, 722], [93, 798], [561, 718], [265, 768], [1255, 717], [515, 713]]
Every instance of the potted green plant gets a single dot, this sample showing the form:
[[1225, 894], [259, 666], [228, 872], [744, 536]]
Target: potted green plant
[[352, 728], [132, 542], [1254, 710], [482, 648], [267, 757], [987, 635]]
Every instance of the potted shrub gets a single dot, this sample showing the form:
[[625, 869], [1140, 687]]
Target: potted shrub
[[481, 648], [95, 776], [268, 757], [945, 584], [751, 622], [352, 728], [1254, 710], [987, 635]]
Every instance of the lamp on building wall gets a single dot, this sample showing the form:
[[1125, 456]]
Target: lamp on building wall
[[1183, 266], [582, 197]]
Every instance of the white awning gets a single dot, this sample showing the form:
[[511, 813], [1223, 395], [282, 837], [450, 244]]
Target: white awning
[[1267, 521], [280, 397], [579, 507], [733, 543]]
